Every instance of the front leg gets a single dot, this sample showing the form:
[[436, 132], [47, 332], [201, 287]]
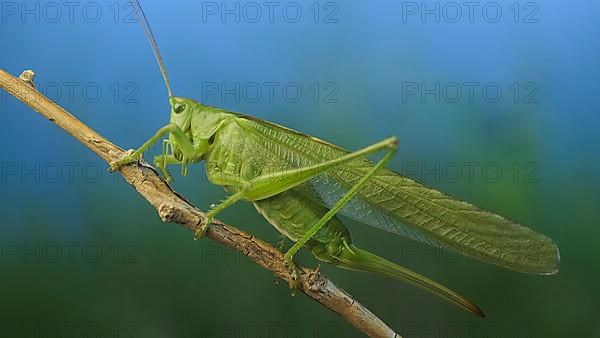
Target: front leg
[[182, 141]]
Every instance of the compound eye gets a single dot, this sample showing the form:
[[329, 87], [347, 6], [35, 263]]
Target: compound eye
[[179, 108]]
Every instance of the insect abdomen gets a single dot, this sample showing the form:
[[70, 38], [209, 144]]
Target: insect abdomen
[[293, 214]]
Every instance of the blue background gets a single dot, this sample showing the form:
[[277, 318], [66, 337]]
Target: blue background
[[153, 280]]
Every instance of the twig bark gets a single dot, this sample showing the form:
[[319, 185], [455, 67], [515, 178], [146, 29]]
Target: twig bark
[[174, 208]]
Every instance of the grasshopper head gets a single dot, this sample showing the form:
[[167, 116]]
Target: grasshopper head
[[181, 112]]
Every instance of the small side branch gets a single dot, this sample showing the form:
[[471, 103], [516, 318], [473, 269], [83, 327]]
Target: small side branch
[[174, 208]]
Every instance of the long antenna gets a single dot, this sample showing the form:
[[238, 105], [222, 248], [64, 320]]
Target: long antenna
[[148, 31]]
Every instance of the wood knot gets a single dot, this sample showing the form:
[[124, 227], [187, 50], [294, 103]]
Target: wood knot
[[166, 212], [315, 278], [28, 76]]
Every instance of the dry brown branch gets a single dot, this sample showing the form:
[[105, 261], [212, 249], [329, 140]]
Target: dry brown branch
[[174, 208]]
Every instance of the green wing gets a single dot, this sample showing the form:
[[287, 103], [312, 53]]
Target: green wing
[[403, 206]]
